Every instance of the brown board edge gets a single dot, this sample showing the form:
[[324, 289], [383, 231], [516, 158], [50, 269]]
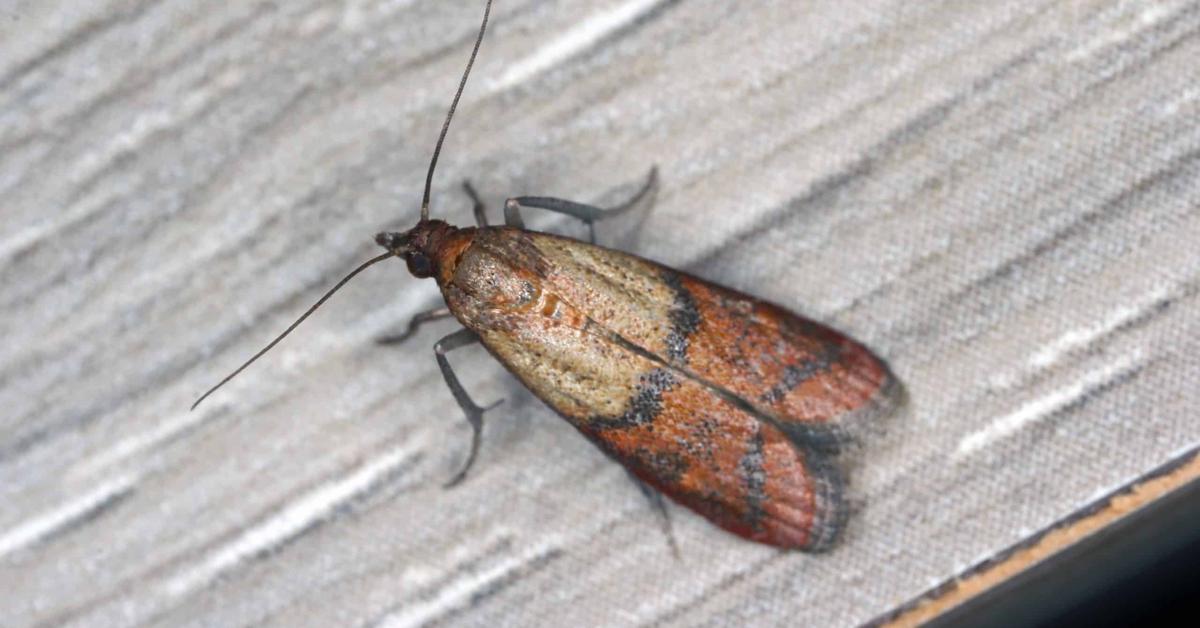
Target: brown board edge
[[1047, 543]]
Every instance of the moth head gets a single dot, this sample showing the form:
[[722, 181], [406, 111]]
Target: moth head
[[421, 246], [418, 246]]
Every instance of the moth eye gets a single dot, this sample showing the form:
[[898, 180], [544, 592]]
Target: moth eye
[[419, 265]]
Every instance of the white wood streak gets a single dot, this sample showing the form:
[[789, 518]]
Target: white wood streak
[[132, 139], [57, 519], [1083, 336], [135, 444], [1150, 14], [290, 520], [459, 593], [1046, 405], [572, 42]]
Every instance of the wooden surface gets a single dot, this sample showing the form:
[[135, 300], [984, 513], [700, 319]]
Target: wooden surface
[[1001, 198]]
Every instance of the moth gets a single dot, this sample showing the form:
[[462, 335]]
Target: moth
[[731, 406]]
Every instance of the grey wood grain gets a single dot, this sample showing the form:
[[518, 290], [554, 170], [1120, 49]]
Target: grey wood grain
[[1002, 198]]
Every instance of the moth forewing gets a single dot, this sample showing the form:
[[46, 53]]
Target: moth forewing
[[725, 403]]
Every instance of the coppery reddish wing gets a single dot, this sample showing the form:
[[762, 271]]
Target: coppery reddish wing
[[726, 404], [815, 382]]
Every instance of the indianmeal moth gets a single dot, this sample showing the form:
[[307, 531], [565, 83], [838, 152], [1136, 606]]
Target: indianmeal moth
[[731, 406]]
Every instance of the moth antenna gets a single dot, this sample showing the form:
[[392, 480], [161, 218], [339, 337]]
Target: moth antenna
[[294, 325], [437, 149]]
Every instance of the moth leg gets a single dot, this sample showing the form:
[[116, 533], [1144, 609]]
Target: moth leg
[[417, 320], [589, 214], [480, 217], [474, 413], [660, 505]]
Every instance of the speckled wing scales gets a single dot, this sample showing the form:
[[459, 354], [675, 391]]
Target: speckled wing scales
[[677, 435], [813, 381], [817, 384], [686, 383]]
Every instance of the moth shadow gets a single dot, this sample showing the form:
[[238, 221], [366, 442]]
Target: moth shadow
[[870, 437]]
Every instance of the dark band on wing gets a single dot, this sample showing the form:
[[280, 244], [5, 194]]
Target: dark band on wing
[[667, 467], [796, 374], [685, 318], [830, 509], [754, 478], [643, 407]]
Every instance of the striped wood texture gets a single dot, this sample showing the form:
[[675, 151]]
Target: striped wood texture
[[1003, 198]]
